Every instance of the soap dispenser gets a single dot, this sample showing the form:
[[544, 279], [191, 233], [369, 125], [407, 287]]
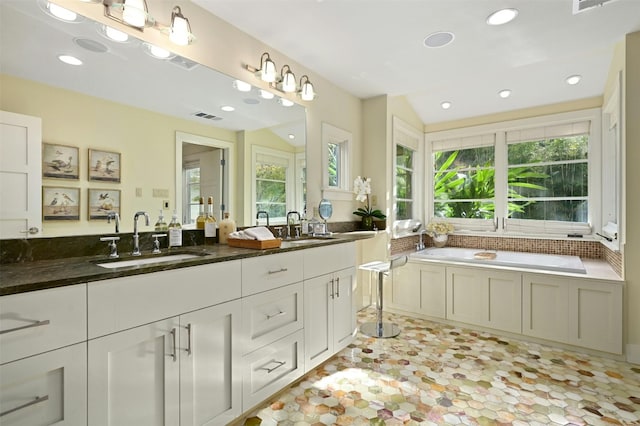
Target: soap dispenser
[[161, 225]]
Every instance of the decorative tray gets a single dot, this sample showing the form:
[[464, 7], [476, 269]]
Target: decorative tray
[[254, 244]]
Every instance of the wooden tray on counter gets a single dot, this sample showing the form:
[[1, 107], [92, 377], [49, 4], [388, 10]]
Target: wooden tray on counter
[[254, 244]]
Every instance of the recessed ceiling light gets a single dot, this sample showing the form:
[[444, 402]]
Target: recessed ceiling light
[[113, 34], [242, 86], [285, 102], [227, 108], [61, 12], [71, 60], [439, 39], [265, 94], [155, 51], [292, 136], [502, 16], [574, 79], [445, 105], [504, 93]]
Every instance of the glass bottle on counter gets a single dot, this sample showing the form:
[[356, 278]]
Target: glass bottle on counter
[[161, 225], [210, 224], [175, 231], [202, 217], [227, 226]]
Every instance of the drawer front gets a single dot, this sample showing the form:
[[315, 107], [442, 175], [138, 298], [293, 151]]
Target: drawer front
[[268, 272], [324, 260], [271, 368], [269, 316], [49, 388], [40, 321], [122, 303]]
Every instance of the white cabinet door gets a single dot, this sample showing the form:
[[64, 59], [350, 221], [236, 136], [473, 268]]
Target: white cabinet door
[[418, 288], [210, 385], [133, 376], [595, 315], [467, 296], [433, 290], [504, 301], [545, 301], [329, 315], [344, 319], [45, 389], [404, 291], [20, 175]]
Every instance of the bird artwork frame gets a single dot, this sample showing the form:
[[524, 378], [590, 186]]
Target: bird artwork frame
[[60, 161], [60, 203], [102, 203], [104, 166]]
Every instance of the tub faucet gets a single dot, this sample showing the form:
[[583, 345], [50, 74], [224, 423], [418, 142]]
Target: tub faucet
[[420, 245], [288, 227], [136, 237], [262, 213], [115, 216]]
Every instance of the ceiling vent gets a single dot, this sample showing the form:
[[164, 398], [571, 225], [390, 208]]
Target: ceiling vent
[[207, 116], [582, 5], [184, 63]]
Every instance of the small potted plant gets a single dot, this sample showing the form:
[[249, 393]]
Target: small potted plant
[[439, 231], [362, 189]]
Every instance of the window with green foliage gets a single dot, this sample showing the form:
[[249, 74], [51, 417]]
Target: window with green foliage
[[192, 194], [334, 164], [271, 185], [404, 182]]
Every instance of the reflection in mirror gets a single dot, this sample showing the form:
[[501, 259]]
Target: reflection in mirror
[[165, 96]]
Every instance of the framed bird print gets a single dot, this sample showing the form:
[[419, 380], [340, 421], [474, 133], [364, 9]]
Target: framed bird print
[[104, 166], [102, 202], [59, 161], [60, 203]]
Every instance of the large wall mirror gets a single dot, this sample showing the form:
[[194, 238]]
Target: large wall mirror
[[236, 155]]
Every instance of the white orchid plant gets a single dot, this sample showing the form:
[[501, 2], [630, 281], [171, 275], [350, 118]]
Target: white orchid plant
[[362, 189]]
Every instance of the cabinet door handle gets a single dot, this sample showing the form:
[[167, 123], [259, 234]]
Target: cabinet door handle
[[278, 271], [24, 327], [270, 370], [331, 294], [338, 287], [174, 354], [276, 315], [188, 327], [38, 400], [32, 231]]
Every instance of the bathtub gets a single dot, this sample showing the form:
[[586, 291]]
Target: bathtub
[[548, 262]]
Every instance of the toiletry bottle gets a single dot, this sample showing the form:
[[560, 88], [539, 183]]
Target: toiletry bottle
[[175, 231], [210, 224], [227, 226], [161, 225], [201, 215]]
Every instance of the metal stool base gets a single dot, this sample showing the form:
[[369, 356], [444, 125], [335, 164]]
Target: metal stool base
[[381, 330]]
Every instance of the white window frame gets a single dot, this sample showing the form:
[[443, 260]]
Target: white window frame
[[409, 137], [344, 140], [546, 229], [288, 159]]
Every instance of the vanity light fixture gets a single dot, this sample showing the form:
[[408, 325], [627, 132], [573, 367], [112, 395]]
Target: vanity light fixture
[[133, 13], [574, 79], [505, 93], [287, 80], [267, 68], [306, 89], [180, 29]]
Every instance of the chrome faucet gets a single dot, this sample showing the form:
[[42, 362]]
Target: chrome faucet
[[288, 227], [420, 245], [116, 217], [262, 213], [136, 238]]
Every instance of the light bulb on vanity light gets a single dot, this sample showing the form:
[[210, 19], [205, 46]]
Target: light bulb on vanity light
[[307, 93], [134, 13], [267, 68], [180, 31]]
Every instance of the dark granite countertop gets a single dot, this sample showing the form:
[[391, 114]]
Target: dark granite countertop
[[39, 275]]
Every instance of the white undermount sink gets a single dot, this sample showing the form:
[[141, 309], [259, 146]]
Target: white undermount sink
[[146, 260]]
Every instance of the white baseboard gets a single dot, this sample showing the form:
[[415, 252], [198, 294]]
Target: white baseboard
[[633, 353]]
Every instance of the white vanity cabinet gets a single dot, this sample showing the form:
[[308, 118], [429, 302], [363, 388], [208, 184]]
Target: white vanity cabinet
[[581, 312], [329, 312], [43, 357], [485, 297], [417, 288], [162, 348]]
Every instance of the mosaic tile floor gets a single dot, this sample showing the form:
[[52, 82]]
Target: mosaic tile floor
[[435, 374]]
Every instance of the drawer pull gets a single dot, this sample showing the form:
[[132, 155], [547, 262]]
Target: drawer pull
[[38, 400], [276, 315], [270, 370], [278, 271], [24, 327], [173, 355]]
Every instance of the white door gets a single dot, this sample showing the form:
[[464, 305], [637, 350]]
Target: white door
[[344, 320], [134, 376], [20, 175], [210, 374]]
